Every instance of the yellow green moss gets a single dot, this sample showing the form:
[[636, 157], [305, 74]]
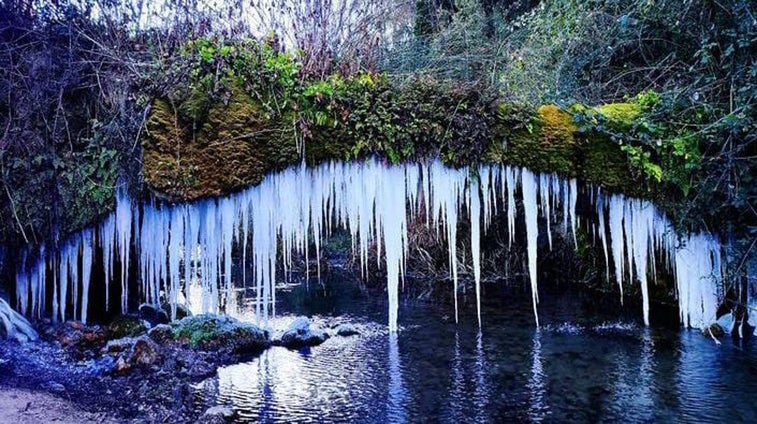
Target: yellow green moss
[[620, 115]]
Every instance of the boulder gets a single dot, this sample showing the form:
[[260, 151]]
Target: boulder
[[346, 330], [153, 314], [181, 310], [299, 334], [132, 352], [118, 345], [214, 332]]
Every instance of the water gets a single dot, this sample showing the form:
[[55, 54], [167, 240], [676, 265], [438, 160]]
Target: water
[[582, 365]]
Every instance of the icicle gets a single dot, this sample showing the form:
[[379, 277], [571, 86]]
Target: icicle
[[510, 187], [544, 198], [603, 238], [374, 202], [87, 257], [528, 185], [475, 212], [572, 209], [123, 238]]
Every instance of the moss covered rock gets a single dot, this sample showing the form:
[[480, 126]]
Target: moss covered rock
[[215, 332], [232, 147]]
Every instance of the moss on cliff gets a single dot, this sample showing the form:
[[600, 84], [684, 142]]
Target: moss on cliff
[[545, 144], [234, 146]]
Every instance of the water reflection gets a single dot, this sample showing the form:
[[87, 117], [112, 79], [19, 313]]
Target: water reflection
[[481, 390], [536, 384], [435, 371], [397, 396]]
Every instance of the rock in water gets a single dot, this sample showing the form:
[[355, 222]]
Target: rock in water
[[218, 414], [215, 332], [299, 334], [15, 326], [346, 330]]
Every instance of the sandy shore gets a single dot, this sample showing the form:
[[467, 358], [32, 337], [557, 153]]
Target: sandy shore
[[20, 406]]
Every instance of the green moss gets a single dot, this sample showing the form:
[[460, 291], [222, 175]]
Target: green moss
[[215, 333], [545, 144], [606, 165], [235, 145]]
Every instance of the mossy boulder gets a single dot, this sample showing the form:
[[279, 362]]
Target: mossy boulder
[[215, 332], [229, 147]]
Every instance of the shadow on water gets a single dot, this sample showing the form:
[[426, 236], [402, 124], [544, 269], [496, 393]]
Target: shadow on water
[[580, 366]]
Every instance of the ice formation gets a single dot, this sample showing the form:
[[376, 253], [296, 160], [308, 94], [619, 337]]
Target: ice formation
[[173, 245]]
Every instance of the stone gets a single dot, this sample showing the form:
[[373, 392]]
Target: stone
[[153, 315], [346, 330], [118, 345], [299, 334], [121, 366], [161, 333], [214, 332], [144, 352], [181, 311]]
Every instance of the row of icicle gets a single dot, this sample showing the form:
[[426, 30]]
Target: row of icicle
[[375, 202]]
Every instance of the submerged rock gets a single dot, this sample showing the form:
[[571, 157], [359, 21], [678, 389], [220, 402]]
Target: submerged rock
[[715, 331], [214, 332], [299, 334]]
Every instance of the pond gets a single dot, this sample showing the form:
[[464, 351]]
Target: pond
[[583, 364]]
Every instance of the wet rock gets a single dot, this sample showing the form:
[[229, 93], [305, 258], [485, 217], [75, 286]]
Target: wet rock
[[346, 330], [153, 314], [161, 333], [125, 326], [218, 414], [220, 333], [299, 334], [132, 351]]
